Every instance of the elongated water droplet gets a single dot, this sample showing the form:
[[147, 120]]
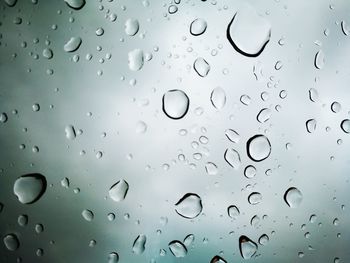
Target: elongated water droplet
[[233, 211], [319, 60], [175, 104], [88, 215], [264, 239], [248, 32], [188, 240], [75, 4], [70, 132], [345, 28], [177, 249], [139, 244], [313, 94], [345, 125], [131, 26], [118, 191], [135, 59], [232, 135], [198, 26], [29, 188], [264, 115], [247, 247], [11, 242], [311, 125], [217, 259], [189, 206], [233, 158], [201, 66], [254, 198], [258, 148], [293, 197], [72, 44], [113, 257], [218, 98]]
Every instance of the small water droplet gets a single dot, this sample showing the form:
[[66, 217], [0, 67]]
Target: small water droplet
[[254, 198], [88, 215], [188, 240], [319, 60], [70, 132], [22, 220], [250, 171], [118, 191], [135, 59], [233, 158], [233, 211], [218, 98], [175, 104], [201, 66], [311, 125], [345, 125], [189, 206], [211, 168], [264, 239], [139, 244], [198, 26], [264, 115], [335, 107], [232, 135], [72, 44], [293, 197], [217, 259], [177, 249], [313, 95], [245, 99]]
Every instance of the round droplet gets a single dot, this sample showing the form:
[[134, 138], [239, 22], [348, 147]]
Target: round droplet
[[335, 107], [3, 117], [135, 59], [311, 125], [72, 44], [47, 53], [175, 104], [70, 132], [293, 197], [232, 135], [218, 98], [88, 215], [172, 9], [250, 171], [233, 158], [263, 239], [22, 220], [198, 26], [201, 66], [141, 127], [39, 228], [247, 247], [254, 198], [118, 191], [189, 206], [319, 60], [248, 32], [11, 242], [139, 244], [75, 4], [177, 249], [36, 107], [99, 31], [131, 27], [264, 115], [29, 188], [345, 125], [258, 148], [233, 211], [113, 257]]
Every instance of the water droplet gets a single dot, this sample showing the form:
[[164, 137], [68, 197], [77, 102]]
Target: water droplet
[[141, 127], [189, 206], [29, 188], [247, 247], [345, 125], [113, 257], [3, 117], [118, 191], [36, 107], [264, 239], [250, 171], [319, 60], [313, 94], [22, 220], [254, 198], [11, 242], [345, 28], [39, 228], [311, 125], [131, 27], [88, 215], [188, 240], [201, 66], [233, 211], [233, 158], [139, 244], [335, 107], [65, 182], [232, 135], [255, 221], [70, 132], [177, 248], [248, 32], [175, 104], [293, 197], [11, 3], [135, 59], [218, 98], [258, 148], [47, 53], [245, 99], [172, 9], [264, 115], [99, 31], [75, 4], [198, 26], [217, 259], [211, 168], [72, 44]]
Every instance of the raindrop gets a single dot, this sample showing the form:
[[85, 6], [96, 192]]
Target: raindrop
[[3, 117], [113, 257], [248, 32], [118, 191], [335, 107], [88, 215], [319, 60], [247, 247], [139, 244], [218, 98], [293, 197], [313, 94], [47, 53], [172, 9], [211, 168], [201, 66], [135, 59], [11, 242], [345, 125], [264, 115], [254, 198], [175, 104], [217, 259], [345, 28], [29, 188], [72, 44], [232, 135], [177, 248], [258, 148], [188, 240], [99, 31], [264, 239], [250, 171], [65, 182], [22, 220], [11, 3], [70, 132], [198, 26], [75, 4], [245, 99], [131, 26], [233, 158], [141, 127], [233, 211], [311, 125], [189, 206]]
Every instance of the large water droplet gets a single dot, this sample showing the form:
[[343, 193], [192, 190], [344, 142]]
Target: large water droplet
[[254, 198], [175, 104], [189, 206], [218, 98], [139, 244], [177, 248], [88, 215], [258, 148], [132, 26], [72, 44], [118, 191], [319, 60], [11, 242], [264, 115], [217, 259], [75, 4], [293, 197], [311, 125], [201, 66], [29, 188], [248, 32], [233, 211], [247, 247], [135, 59], [233, 158], [70, 132], [345, 125], [198, 26]]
